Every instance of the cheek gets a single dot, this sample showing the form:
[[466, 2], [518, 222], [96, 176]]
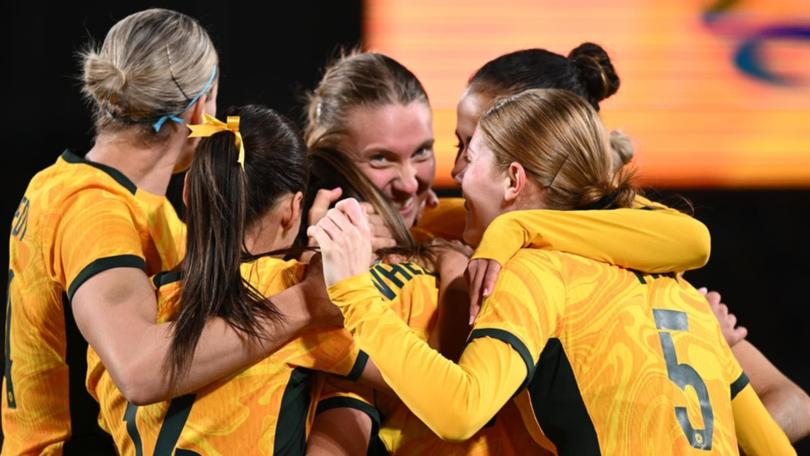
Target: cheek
[[379, 177], [425, 173]]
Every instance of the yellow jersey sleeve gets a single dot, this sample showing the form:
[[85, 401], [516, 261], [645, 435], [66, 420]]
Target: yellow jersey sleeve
[[453, 400], [445, 221], [649, 237], [757, 433], [332, 351], [524, 305], [91, 216]]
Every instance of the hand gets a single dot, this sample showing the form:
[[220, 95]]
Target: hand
[[481, 275], [344, 237], [323, 199], [321, 310], [381, 235], [727, 320], [431, 199], [427, 200], [451, 257]]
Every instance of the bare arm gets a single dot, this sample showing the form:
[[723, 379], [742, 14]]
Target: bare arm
[[116, 312], [340, 431], [452, 327], [788, 404], [346, 420]]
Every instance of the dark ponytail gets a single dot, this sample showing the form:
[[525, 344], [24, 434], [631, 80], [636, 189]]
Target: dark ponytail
[[223, 201]]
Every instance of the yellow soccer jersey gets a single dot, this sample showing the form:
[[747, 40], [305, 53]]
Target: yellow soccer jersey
[[76, 219], [602, 360], [445, 221], [262, 409], [649, 237], [410, 291]]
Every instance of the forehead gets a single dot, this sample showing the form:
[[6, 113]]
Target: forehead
[[401, 129], [470, 108]]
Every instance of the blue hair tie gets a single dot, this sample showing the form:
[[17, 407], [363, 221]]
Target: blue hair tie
[[174, 116]]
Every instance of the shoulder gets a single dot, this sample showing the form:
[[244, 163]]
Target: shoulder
[[270, 275], [537, 260]]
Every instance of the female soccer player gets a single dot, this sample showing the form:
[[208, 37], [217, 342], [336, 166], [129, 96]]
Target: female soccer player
[[599, 357], [243, 194], [370, 108], [91, 230], [373, 110], [588, 72]]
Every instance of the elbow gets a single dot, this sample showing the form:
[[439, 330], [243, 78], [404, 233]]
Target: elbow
[[701, 248], [139, 388], [456, 427], [455, 433], [789, 406], [804, 428]]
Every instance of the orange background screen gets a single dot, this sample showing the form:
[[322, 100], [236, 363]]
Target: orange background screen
[[697, 116]]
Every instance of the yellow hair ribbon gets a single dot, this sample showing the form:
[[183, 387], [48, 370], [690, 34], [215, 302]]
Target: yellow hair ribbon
[[212, 125]]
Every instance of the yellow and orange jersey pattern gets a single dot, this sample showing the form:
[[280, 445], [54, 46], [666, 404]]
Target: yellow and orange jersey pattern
[[411, 292], [649, 237], [264, 409], [76, 219], [445, 221], [619, 362]]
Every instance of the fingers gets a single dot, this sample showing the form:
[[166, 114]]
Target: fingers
[[355, 213], [432, 199], [723, 309], [323, 199], [378, 243], [319, 235], [728, 321], [714, 298], [347, 218], [739, 333], [368, 208], [340, 220], [492, 271], [330, 226], [731, 319], [475, 276], [377, 225]]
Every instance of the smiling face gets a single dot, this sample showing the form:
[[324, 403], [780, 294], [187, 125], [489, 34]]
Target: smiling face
[[483, 185], [470, 108], [392, 145]]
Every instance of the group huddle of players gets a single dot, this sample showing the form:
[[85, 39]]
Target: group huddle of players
[[318, 298]]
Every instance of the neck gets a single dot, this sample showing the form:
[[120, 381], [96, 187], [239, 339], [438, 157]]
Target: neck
[[265, 235], [148, 166]]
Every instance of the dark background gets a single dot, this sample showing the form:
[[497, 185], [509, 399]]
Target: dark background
[[271, 54]]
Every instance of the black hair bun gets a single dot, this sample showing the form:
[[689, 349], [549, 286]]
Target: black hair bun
[[595, 71]]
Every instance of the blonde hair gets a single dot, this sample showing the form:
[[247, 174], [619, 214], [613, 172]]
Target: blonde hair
[[356, 79], [560, 141], [152, 64]]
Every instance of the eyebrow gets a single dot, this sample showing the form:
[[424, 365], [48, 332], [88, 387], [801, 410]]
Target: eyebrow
[[426, 145], [379, 150]]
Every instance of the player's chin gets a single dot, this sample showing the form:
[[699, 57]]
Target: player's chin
[[472, 232]]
